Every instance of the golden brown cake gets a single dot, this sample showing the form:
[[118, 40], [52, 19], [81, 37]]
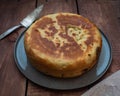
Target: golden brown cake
[[63, 45]]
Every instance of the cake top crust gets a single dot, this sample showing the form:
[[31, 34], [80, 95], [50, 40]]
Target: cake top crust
[[63, 35]]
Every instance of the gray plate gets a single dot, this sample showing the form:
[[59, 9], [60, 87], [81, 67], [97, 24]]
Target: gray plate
[[62, 84]]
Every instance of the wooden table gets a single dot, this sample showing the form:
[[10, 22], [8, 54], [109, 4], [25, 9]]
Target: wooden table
[[104, 13]]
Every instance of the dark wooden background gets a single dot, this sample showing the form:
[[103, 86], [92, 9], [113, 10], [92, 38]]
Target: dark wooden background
[[104, 13]]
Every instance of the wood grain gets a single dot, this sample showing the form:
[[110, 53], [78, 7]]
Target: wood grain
[[58, 6], [104, 13], [12, 82]]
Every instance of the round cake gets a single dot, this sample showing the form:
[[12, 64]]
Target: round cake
[[63, 45]]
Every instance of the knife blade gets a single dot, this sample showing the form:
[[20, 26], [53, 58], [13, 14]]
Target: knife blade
[[26, 22]]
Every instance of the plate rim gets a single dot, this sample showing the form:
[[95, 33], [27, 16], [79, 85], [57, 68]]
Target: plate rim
[[27, 77]]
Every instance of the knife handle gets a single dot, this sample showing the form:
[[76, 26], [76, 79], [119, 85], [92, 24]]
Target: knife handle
[[6, 33]]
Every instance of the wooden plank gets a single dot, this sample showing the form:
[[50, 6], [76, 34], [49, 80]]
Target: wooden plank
[[105, 14], [36, 90], [56, 6], [12, 82], [100, 13]]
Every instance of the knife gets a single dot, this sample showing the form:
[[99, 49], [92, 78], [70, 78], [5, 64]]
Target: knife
[[26, 22]]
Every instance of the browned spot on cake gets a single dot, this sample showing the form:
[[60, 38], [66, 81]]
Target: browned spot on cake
[[85, 70], [91, 38], [98, 49], [86, 25], [53, 30], [64, 20], [44, 22]]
